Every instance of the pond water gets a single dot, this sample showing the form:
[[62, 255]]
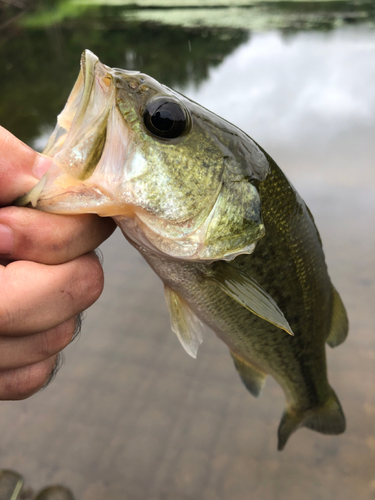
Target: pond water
[[130, 415]]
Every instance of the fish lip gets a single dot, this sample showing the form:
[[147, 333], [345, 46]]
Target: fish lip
[[73, 140], [88, 63], [71, 117]]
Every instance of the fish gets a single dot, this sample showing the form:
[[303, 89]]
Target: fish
[[217, 220]]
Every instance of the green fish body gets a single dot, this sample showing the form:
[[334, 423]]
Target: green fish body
[[214, 216], [289, 264]]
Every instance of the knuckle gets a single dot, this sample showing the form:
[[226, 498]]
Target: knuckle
[[92, 279], [65, 333], [55, 340], [83, 284], [61, 245], [23, 382], [7, 320], [7, 313]]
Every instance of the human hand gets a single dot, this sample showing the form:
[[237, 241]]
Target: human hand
[[48, 274]]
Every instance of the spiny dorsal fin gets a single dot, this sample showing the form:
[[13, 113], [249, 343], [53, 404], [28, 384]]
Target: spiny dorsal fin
[[252, 377], [184, 322], [249, 294], [339, 322], [327, 418]]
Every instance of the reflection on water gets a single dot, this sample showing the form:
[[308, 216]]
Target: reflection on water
[[40, 65], [130, 415], [292, 15], [313, 91]]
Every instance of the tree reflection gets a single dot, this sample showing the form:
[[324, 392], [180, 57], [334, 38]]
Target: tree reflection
[[40, 65], [40, 50]]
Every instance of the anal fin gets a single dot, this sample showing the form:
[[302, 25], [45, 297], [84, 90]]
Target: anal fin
[[252, 377], [339, 322]]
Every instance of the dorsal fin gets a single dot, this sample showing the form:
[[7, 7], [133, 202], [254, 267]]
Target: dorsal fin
[[252, 377], [184, 322], [339, 322], [249, 294]]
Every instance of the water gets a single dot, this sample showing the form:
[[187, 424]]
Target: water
[[130, 415]]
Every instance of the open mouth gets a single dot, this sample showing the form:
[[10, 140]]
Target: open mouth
[[77, 143], [79, 136], [76, 105]]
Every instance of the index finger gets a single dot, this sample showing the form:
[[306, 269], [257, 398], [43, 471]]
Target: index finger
[[50, 238]]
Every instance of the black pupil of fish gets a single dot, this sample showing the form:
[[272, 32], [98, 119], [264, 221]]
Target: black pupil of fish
[[165, 119], [162, 120]]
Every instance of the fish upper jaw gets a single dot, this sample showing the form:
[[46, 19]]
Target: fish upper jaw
[[78, 139]]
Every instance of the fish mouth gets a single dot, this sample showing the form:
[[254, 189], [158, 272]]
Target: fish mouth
[[89, 133], [81, 126]]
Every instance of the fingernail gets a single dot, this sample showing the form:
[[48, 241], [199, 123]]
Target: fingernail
[[41, 165], [6, 240]]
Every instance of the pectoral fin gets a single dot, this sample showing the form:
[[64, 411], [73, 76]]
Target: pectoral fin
[[184, 322], [252, 377], [247, 292], [339, 322]]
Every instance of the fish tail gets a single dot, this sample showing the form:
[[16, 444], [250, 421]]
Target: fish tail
[[290, 421], [327, 418]]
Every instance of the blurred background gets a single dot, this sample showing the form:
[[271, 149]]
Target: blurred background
[[130, 415]]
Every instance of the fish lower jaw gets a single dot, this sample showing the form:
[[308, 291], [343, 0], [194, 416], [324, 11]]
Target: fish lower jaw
[[69, 196]]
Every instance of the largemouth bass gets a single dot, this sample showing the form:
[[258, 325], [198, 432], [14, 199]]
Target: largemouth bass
[[214, 216]]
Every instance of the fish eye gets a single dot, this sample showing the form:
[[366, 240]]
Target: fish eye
[[165, 118]]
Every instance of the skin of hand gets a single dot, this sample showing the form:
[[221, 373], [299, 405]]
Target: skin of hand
[[49, 274]]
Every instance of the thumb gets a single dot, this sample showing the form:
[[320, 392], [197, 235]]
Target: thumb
[[20, 167]]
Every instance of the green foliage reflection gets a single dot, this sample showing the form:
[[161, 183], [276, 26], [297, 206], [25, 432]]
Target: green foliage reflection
[[41, 64]]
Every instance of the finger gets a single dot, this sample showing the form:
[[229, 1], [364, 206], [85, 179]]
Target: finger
[[49, 238], [20, 167], [55, 369], [20, 383], [17, 352], [37, 297]]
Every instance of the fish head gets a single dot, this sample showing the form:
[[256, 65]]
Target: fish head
[[176, 178]]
